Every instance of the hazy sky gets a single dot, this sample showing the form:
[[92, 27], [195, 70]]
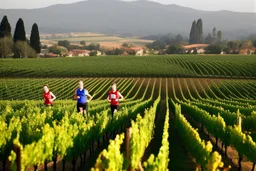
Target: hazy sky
[[208, 5]]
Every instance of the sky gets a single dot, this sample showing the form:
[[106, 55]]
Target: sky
[[207, 5]]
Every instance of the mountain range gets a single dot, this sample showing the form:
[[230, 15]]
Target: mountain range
[[136, 18]]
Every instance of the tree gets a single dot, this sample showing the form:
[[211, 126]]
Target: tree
[[233, 45], [209, 39], [247, 44], [214, 35], [254, 43], [5, 27], [213, 49], [199, 31], [93, 53], [35, 39], [175, 49], [125, 45], [60, 50], [23, 50], [219, 34], [82, 42], [178, 39], [6, 45], [193, 33], [195, 51], [158, 45], [19, 33], [65, 44]]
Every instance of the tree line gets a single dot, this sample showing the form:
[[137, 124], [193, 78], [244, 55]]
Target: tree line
[[174, 44], [18, 46]]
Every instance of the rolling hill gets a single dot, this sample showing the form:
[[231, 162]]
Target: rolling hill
[[137, 18]]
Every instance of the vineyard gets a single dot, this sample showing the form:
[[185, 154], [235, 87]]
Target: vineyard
[[207, 66], [178, 113], [58, 138]]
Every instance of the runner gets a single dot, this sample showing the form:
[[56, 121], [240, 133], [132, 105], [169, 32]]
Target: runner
[[113, 98], [49, 97], [81, 97]]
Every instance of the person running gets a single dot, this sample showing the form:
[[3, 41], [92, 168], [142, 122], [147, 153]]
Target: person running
[[49, 97], [81, 95], [113, 98]]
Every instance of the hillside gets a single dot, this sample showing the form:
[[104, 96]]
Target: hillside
[[138, 18]]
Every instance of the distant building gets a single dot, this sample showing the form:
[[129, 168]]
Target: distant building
[[247, 51], [79, 53], [199, 47], [50, 55], [137, 51]]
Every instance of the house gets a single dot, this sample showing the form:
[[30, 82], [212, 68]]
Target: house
[[199, 47], [246, 51], [78, 52], [51, 55], [137, 51]]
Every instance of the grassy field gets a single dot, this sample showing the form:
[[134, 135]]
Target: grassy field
[[104, 40], [212, 66]]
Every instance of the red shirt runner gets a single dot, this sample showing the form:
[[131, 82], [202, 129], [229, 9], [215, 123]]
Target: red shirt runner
[[47, 97], [114, 97]]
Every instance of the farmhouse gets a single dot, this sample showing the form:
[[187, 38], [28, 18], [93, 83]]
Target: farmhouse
[[138, 51], [199, 47], [78, 52], [246, 51]]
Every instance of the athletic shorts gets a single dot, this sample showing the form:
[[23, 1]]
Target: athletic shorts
[[113, 108], [83, 105]]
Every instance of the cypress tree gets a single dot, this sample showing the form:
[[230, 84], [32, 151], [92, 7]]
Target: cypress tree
[[208, 39], [35, 38], [214, 38], [199, 33], [19, 33], [5, 27], [192, 36], [219, 34]]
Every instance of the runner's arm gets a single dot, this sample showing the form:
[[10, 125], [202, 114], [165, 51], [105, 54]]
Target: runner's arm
[[54, 97], [120, 95], [90, 97], [75, 96], [109, 100]]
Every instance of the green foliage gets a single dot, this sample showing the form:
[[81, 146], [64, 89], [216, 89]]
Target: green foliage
[[160, 162], [151, 66], [82, 42], [5, 28], [157, 45], [115, 51], [60, 50], [23, 50], [193, 33], [213, 49], [209, 39], [199, 31], [6, 45], [111, 159], [19, 33], [35, 39], [247, 44], [219, 35], [93, 53], [65, 44], [175, 49], [202, 151], [93, 46]]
